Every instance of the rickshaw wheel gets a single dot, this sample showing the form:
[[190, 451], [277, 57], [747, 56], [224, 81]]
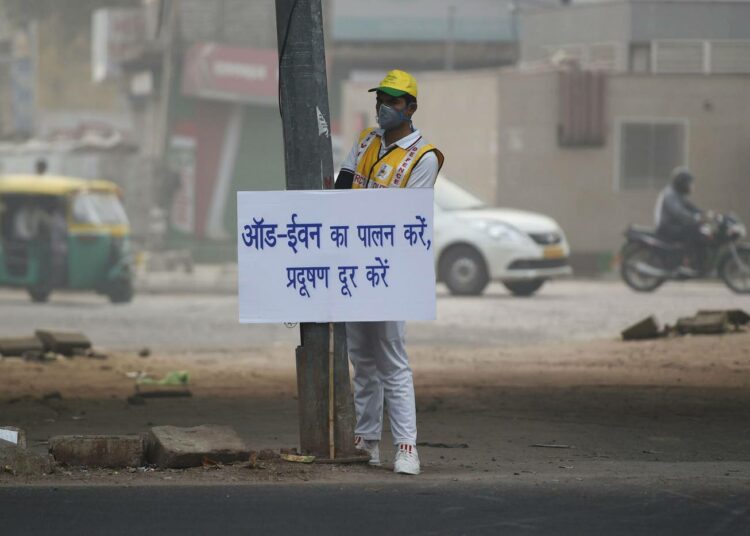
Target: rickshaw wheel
[[120, 291], [39, 295]]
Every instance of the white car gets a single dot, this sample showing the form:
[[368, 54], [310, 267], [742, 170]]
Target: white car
[[476, 244]]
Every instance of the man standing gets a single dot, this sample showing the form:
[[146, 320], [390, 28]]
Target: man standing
[[392, 156]]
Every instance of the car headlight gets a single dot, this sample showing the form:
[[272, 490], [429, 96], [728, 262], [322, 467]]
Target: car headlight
[[501, 231]]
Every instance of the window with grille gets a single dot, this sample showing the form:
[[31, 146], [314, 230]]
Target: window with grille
[[649, 151]]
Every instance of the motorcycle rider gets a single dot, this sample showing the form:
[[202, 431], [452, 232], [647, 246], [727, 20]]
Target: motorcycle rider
[[677, 218]]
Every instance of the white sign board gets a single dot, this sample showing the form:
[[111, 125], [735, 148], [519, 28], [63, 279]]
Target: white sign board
[[336, 255]]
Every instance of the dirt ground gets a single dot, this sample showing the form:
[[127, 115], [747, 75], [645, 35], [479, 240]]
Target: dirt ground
[[672, 412]]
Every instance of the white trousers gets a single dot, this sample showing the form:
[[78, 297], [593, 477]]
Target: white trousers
[[377, 351]]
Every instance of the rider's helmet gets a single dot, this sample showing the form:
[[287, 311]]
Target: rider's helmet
[[682, 180]]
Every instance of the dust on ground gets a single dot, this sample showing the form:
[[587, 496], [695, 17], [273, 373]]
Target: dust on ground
[[669, 411]]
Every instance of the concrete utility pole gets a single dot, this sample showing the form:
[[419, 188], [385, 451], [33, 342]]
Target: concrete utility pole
[[326, 410]]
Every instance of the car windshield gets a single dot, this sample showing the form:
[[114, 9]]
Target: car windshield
[[98, 208], [450, 196]]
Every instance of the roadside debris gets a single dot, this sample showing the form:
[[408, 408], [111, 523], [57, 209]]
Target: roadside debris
[[46, 346], [175, 377], [63, 342], [265, 455], [172, 385], [18, 461], [705, 322], [174, 447], [268, 454], [16, 346], [13, 435], [648, 328], [98, 450], [297, 458], [552, 446]]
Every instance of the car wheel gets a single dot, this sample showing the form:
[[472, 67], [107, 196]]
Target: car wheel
[[39, 295], [464, 271], [524, 287], [120, 291]]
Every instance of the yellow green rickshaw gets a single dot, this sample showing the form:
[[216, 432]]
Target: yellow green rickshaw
[[64, 233]]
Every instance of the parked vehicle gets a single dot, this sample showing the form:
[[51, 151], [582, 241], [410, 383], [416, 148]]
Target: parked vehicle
[[64, 233], [648, 260], [476, 244]]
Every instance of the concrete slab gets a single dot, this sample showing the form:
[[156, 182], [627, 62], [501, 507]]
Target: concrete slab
[[706, 323], [173, 447], [16, 346], [98, 450], [63, 342]]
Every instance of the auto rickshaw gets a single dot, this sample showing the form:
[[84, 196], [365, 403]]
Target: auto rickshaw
[[64, 233]]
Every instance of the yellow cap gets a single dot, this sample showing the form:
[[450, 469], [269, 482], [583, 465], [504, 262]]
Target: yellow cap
[[397, 83]]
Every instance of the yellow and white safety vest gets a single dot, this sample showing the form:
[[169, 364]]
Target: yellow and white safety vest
[[394, 168]]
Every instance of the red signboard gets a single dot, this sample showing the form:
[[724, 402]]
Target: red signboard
[[231, 73]]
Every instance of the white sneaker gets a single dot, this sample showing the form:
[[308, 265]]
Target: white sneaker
[[370, 446], [407, 460]]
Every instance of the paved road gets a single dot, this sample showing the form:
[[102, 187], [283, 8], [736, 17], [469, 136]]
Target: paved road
[[563, 310], [371, 509]]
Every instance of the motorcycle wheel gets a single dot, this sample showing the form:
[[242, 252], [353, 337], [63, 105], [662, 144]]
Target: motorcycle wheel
[[735, 276], [632, 254]]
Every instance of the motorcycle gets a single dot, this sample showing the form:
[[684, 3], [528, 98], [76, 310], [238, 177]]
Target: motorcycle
[[648, 261]]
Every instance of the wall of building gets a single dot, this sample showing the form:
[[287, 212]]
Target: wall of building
[[578, 186], [457, 112]]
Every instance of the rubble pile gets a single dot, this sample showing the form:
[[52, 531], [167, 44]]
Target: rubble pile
[[46, 345], [704, 322]]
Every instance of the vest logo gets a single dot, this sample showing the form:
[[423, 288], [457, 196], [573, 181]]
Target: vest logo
[[360, 180], [404, 166], [384, 172]]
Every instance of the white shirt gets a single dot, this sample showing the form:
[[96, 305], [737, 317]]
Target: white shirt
[[424, 173]]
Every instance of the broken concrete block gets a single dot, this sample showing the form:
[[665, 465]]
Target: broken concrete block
[[98, 450], [736, 317], [16, 346], [647, 328], [13, 435], [63, 342], [173, 447], [706, 323], [21, 462]]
